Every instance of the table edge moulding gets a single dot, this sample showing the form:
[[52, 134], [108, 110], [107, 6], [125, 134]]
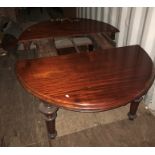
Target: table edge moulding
[[88, 82]]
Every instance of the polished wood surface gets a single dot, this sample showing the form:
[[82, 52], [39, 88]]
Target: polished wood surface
[[67, 28], [94, 81]]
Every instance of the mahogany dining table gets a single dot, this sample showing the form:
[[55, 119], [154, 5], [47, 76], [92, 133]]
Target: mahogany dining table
[[66, 27], [88, 82], [75, 27]]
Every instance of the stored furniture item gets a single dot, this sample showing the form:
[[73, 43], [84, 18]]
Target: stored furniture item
[[88, 82], [68, 28]]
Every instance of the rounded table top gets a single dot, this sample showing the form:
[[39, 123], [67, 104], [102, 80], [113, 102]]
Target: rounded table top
[[66, 27], [94, 81]]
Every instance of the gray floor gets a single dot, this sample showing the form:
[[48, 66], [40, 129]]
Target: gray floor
[[120, 133]]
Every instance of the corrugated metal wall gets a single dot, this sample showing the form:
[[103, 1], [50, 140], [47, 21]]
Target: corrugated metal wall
[[136, 25]]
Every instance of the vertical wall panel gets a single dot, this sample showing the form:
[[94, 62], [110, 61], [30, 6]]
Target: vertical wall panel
[[128, 26], [88, 13], [102, 14], [149, 32], [123, 26], [105, 14], [118, 23], [114, 16], [93, 12], [135, 30], [79, 12], [83, 12], [98, 14], [109, 15], [119, 16], [144, 24], [148, 43], [81, 15]]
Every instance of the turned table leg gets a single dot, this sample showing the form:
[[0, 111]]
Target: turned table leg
[[133, 108], [50, 113]]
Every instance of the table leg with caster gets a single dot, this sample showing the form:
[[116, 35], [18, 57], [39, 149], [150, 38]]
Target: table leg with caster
[[50, 113], [133, 108]]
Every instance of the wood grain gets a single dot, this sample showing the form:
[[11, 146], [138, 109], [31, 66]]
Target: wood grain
[[66, 28], [94, 81]]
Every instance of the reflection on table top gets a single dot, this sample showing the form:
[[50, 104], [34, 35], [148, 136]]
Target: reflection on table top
[[92, 81]]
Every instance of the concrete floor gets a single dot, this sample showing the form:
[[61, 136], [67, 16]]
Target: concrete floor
[[124, 133]]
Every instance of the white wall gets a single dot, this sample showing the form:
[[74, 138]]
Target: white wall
[[136, 25]]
